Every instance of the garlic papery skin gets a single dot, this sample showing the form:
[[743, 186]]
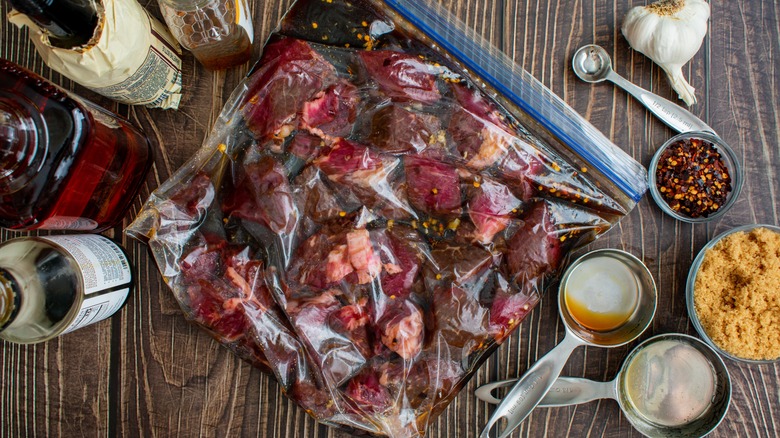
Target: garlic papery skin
[[669, 32]]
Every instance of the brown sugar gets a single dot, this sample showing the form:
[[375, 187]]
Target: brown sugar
[[737, 294]]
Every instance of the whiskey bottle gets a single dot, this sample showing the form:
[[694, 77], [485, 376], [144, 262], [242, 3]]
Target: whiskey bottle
[[65, 163]]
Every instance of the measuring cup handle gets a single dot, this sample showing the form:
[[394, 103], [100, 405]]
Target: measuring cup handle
[[531, 388], [573, 391], [565, 391], [677, 117], [485, 392]]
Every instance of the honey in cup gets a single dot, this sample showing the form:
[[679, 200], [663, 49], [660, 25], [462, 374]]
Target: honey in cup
[[601, 293]]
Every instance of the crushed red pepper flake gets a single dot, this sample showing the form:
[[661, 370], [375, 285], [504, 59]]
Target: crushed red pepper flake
[[693, 178]]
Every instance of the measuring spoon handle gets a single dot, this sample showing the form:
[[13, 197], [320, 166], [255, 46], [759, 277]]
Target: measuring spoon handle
[[531, 388], [565, 391], [678, 118]]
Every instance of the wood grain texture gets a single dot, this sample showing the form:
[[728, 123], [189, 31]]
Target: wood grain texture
[[147, 372]]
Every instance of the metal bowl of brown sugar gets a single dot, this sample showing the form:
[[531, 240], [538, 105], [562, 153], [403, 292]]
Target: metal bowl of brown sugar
[[732, 294]]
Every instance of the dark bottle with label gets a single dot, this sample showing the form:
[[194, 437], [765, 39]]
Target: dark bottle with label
[[113, 47], [65, 163], [70, 23], [56, 284]]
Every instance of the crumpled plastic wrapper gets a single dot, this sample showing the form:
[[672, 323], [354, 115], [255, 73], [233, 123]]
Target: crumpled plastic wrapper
[[365, 223]]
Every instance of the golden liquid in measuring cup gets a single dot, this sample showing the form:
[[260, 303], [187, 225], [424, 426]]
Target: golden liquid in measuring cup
[[601, 293], [670, 383]]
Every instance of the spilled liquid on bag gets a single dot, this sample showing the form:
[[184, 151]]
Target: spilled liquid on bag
[[601, 293], [670, 383]]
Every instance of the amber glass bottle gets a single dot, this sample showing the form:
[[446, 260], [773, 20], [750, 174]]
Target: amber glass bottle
[[218, 32], [65, 163]]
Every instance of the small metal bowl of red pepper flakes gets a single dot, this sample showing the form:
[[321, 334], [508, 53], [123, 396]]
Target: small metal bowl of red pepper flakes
[[695, 177]]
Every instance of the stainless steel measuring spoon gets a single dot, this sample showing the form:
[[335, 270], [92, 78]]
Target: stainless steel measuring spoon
[[537, 380], [571, 391], [592, 64]]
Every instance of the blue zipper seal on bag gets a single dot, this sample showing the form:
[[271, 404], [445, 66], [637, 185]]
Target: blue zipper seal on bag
[[529, 95]]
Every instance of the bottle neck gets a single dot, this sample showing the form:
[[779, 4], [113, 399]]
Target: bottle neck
[[22, 141], [10, 298], [69, 23]]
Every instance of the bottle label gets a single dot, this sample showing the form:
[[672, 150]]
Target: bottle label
[[106, 274], [98, 308], [157, 81]]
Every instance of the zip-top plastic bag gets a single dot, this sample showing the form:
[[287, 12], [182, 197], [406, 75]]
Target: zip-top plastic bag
[[366, 222]]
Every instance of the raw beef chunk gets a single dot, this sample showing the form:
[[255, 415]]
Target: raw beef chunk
[[460, 320], [332, 112], [396, 130], [305, 146], [535, 249], [367, 394], [433, 187], [480, 143], [364, 260], [264, 196], [401, 75], [292, 74], [490, 209], [520, 168], [367, 174], [338, 353], [401, 329], [509, 307], [404, 254]]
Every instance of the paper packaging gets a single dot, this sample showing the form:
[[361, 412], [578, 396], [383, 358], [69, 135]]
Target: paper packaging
[[132, 58]]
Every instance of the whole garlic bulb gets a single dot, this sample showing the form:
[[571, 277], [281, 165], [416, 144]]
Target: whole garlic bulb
[[669, 32]]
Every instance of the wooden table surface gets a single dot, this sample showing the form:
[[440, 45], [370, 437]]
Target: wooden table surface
[[147, 372]]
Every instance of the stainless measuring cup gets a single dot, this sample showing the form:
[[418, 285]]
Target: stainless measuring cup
[[592, 64], [705, 413], [537, 380]]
